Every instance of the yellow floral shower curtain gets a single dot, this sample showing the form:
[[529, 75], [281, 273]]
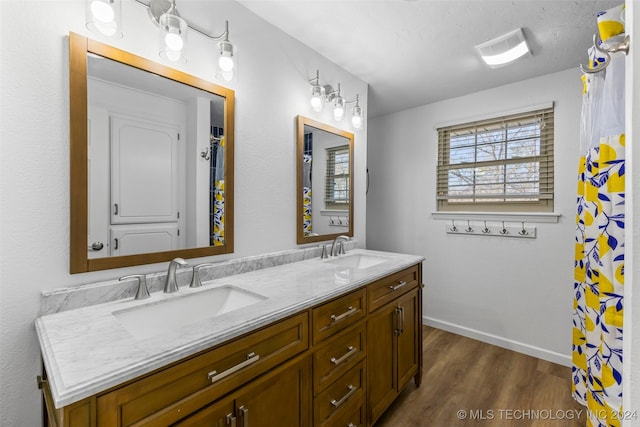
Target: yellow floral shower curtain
[[599, 249]]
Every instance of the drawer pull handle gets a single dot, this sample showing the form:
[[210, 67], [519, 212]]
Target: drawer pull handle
[[338, 403], [231, 420], [351, 350], [244, 414], [400, 284], [347, 313], [215, 376]]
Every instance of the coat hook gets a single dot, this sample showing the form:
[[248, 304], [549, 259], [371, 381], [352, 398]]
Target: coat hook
[[523, 232], [469, 229], [504, 230], [486, 230], [453, 227]]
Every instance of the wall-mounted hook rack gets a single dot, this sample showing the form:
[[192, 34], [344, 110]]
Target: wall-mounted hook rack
[[496, 230]]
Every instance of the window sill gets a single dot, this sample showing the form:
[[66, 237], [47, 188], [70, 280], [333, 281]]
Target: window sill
[[548, 217]]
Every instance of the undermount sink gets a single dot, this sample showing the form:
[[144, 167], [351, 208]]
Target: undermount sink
[[358, 261], [171, 313]]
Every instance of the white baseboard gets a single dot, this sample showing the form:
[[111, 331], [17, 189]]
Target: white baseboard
[[540, 353]]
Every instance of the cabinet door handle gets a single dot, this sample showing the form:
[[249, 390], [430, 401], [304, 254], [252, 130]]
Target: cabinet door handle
[[231, 420], [115, 209], [115, 243], [338, 403], [215, 376], [401, 320], [351, 350], [347, 313], [244, 414], [400, 284]]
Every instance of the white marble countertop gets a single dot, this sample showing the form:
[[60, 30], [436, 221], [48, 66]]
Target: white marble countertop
[[87, 350]]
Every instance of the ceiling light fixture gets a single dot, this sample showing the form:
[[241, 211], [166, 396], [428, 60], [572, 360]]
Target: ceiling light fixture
[[504, 49], [104, 18], [326, 94]]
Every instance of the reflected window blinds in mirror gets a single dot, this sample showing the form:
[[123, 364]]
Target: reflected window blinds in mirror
[[141, 190], [324, 206]]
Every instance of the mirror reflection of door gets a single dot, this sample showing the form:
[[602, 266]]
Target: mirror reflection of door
[[155, 164]]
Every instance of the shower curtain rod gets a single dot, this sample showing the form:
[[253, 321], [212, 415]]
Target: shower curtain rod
[[623, 46]]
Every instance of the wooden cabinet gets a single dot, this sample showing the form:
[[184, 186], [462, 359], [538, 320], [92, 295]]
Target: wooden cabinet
[[280, 398], [394, 350], [170, 394], [340, 363]]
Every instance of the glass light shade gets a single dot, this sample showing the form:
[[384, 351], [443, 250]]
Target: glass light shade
[[226, 61], [339, 104], [317, 98], [173, 37], [356, 117], [104, 17]]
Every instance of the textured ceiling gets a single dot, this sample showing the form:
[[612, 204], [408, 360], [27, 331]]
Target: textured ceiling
[[417, 52]]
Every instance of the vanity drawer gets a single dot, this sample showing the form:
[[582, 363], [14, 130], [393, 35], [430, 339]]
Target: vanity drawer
[[339, 398], [338, 355], [386, 290], [338, 314], [166, 396]]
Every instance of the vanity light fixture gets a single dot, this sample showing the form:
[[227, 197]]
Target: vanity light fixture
[[104, 17], [326, 94], [504, 49]]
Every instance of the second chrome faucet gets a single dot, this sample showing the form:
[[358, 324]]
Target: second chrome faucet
[[170, 284]]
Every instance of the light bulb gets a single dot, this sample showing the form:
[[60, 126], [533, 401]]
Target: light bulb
[[317, 98], [225, 63], [174, 42], [103, 17], [356, 118], [102, 11], [338, 108]]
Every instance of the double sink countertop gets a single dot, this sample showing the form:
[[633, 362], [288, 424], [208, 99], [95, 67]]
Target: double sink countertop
[[91, 349]]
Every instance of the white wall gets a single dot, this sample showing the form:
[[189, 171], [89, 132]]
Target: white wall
[[513, 292], [271, 90], [631, 350]]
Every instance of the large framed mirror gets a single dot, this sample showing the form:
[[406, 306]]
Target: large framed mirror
[[151, 158], [324, 208]]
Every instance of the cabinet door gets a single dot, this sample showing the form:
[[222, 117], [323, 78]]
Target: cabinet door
[[408, 340], [282, 398], [220, 414], [381, 358]]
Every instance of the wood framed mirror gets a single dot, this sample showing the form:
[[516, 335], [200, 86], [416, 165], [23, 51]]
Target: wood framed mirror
[[151, 161], [324, 191]]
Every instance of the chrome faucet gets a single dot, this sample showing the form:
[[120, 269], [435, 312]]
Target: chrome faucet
[[171, 285], [340, 241]]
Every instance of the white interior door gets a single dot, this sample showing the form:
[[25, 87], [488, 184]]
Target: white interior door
[[134, 239], [144, 166]]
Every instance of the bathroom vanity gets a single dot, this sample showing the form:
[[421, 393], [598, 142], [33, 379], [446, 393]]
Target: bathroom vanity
[[321, 342]]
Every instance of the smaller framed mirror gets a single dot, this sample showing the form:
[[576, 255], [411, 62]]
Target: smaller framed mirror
[[324, 208]]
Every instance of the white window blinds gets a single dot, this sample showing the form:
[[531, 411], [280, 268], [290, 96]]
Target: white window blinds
[[501, 164], [337, 177]]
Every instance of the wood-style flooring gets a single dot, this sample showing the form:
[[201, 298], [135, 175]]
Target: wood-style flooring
[[471, 383]]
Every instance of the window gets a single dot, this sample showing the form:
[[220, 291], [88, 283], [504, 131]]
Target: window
[[337, 184], [502, 164]]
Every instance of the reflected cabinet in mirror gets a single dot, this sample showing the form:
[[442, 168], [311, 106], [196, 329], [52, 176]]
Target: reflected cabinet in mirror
[[151, 161], [324, 208]]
